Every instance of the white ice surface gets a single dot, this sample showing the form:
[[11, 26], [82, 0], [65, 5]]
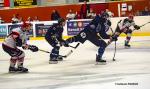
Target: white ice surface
[[79, 71]]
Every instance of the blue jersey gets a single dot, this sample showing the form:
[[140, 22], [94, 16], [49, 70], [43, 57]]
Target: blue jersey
[[55, 32], [99, 25]]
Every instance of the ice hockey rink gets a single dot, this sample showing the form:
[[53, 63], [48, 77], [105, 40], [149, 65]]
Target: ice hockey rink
[[131, 70]]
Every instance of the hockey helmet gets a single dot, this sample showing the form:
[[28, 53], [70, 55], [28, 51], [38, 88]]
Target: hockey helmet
[[25, 24], [105, 15], [60, 20], [131, 17]]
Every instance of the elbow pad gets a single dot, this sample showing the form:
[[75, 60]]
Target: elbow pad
[[18, 42]]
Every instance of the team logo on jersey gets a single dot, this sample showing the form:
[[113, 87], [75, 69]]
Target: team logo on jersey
[[83, 35]]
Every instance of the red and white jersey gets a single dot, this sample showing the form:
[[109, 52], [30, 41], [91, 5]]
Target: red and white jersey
[[125, 24], [11, 42]]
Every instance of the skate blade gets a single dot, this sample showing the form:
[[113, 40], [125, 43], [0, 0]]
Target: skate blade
[[17, 72], [12, 71], [100, 63], [126, 47], [53, 62], [22, 72], [59, 59]]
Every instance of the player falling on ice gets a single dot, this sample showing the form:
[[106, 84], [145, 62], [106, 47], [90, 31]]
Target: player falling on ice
[[54, 38], [93, 32], [18, 38], [124, 26]]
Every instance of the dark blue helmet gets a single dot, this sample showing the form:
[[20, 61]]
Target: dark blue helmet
[[60, 20], [105, 15]]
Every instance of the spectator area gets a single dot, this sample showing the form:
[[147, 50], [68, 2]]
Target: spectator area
[[44, 12]]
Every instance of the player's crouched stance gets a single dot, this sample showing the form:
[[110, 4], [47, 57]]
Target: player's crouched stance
[[54, 38], [18, 38], [123, 26]]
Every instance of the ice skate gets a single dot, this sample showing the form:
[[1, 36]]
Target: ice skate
[[53, 61], [22, 70], [126, 45], [12, 69], [59, 58], [100, 61]]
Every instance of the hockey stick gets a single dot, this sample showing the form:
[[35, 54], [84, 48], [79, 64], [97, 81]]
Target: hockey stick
[[115, 47], [65, 56], [44, 51], [115, 52], [75, 46], [69, 53], [142, 25]]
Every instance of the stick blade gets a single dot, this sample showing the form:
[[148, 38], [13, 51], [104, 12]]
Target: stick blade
[[44, 51], [68, 54], [77, 45]]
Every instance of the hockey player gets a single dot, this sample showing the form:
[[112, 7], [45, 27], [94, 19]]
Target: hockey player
[[54, 38], [18, 38], [94, 32], [124, 26]]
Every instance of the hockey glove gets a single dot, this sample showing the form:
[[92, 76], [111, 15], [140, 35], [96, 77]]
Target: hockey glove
[[64, 43], [25, 46], [136, 27], [114, 38], [109, 23], [33, 48], [18, 42]]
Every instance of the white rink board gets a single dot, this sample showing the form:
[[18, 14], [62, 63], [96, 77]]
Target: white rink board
[[139, 20]]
